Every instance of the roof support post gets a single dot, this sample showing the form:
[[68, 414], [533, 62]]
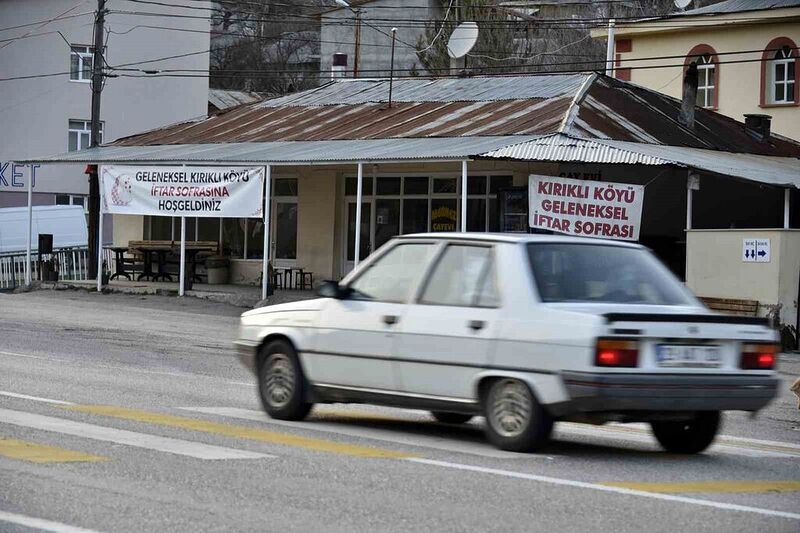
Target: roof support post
[[692, 184], [267, 203], [787, 200], [182, 274], [99, 241], [464, 196], [359, 184], [28, 273]]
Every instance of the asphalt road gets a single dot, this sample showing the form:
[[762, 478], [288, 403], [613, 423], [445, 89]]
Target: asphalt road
[[122, 413]]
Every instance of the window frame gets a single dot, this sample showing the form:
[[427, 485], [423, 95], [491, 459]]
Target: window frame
[[87, 128], [696, 54], [436, 261], [71, 198], [768, 64], [82, 58]]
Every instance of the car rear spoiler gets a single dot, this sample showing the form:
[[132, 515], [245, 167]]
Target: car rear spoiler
[[708, 319]]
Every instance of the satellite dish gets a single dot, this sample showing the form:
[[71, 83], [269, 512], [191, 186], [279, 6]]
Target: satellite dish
[[681, 4], [462, 39]]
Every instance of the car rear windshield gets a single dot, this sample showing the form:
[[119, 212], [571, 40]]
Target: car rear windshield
[[566, 272]]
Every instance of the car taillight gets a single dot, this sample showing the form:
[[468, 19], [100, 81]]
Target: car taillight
[[759, 356], [617, 353]]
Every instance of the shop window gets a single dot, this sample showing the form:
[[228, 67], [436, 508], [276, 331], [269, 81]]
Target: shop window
[[779, 73], [285, 187], [72, 199], [707, 75]]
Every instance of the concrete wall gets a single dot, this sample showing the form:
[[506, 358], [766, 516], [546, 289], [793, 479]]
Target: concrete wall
[[714, 268], [35, 112], [316, 210], [337, 34], [739, 83]]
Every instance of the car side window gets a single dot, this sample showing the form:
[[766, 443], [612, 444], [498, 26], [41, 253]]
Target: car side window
[[464, 276], [391, 277]]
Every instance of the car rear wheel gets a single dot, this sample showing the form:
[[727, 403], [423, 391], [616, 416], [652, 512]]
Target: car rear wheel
[[688, 436], [281, 383], [451, 418], [515, 421]]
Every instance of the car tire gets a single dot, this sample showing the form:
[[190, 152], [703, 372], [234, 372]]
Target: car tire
[[688, 436], [515, 421], [451, 418], [281, 383]]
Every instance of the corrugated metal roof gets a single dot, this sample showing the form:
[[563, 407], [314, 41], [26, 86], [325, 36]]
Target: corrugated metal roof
[[432, 149], [598, 107], [475, 89], [223, 98], [365, 121], [738, 6], [569, 149], [777, 171]]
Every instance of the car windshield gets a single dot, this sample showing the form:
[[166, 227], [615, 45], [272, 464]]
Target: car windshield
[[567, 272]]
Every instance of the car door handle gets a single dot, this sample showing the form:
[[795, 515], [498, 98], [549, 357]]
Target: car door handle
[[390, 320], [476, 325]]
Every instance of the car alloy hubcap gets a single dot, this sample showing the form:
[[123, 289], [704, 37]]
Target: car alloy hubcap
[[510, 408], [279, 380]]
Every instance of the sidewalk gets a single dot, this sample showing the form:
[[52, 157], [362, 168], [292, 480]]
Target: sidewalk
[[237, 295]]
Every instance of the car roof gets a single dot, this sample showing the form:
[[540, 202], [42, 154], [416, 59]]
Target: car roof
[[515, 238]]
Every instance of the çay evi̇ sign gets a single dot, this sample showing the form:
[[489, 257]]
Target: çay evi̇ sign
[[589, 209], [233, 192]]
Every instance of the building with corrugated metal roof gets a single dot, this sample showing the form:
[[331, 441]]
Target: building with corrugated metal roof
[[445, 154], [746, 52]]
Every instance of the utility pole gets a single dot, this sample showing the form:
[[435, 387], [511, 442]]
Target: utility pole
[[94, 182], [610, 44], [357, 58]]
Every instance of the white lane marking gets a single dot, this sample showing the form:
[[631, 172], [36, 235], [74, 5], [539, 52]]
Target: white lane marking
[[379, 434], [121, 436], [604, 488], [724, 444], [131, 369], [34, 398], [39, 523]]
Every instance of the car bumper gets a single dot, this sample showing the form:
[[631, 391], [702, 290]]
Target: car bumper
[[247, 351], [593, 392]]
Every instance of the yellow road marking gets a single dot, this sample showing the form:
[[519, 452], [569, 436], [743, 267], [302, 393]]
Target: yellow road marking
[[711, 486], [239, 432], [41, 453]]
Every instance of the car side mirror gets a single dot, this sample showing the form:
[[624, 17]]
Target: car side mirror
[[332, 289]]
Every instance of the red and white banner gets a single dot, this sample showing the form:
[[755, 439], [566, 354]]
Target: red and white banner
[[585, 208], [232, 192]]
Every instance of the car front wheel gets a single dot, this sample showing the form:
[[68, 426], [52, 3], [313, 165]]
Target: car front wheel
[[688, 436], [515, 421], [281, 383]]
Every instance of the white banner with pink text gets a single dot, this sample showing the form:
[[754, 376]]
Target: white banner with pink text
[[585, 208], [178, 191]]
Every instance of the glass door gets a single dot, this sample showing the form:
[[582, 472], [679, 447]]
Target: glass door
[[284, 233], [366, 234]]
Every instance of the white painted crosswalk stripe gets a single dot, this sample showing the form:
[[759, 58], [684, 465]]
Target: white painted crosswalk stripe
[[380, 434], [41, 524], [128, 438]]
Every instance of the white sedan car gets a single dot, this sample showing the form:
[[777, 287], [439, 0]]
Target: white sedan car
[[523, 330]]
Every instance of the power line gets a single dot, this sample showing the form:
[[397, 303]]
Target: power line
[[66, 17]]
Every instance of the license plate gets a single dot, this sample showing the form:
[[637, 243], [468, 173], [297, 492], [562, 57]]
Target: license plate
[[688, 356]]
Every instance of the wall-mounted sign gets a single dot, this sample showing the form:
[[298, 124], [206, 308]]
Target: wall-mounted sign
[[234, 192], [755, 250], [585, 208]]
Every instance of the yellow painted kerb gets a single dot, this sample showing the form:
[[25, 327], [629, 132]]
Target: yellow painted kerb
[[711, 486], [41, 453], [239, 432]]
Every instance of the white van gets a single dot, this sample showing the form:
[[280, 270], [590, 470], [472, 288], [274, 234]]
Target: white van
[[67, 224]]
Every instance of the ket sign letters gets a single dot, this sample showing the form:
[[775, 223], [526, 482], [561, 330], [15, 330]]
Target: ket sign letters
[[183, 191], [588, 209]]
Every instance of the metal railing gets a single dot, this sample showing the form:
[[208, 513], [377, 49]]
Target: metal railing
[[71, 264]]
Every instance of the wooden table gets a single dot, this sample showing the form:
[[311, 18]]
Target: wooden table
[[160, 249]]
